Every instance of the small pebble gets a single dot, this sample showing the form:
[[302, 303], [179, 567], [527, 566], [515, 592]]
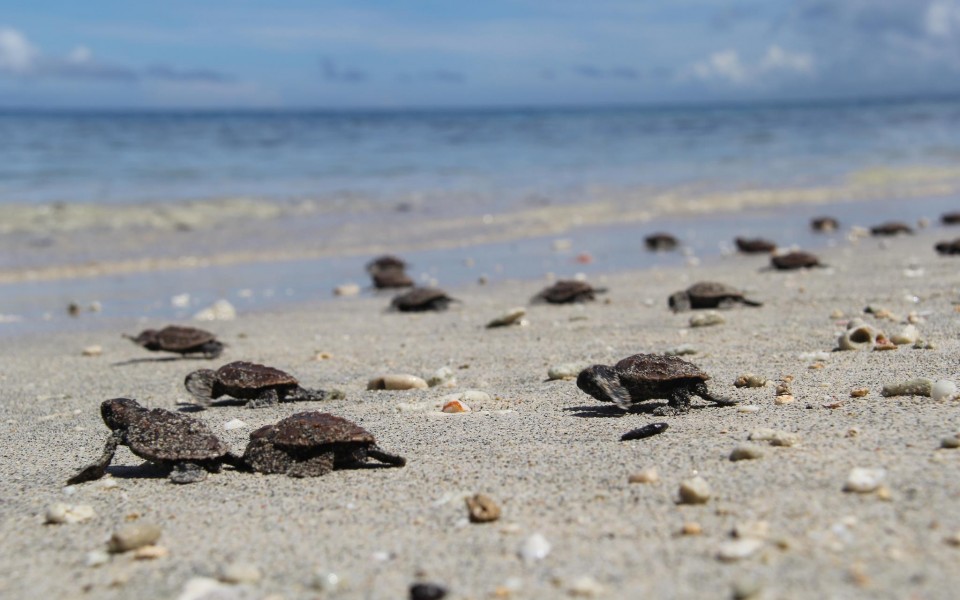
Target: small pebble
[[943, 390], [691, 528], [131, 537], [649, 475], [514, 316], [739, 549], [427, 591], [644, 432], [908, 335], [347, 289], [397, 382], [752, 529], [585, 587], [784, 399], [784, 439], [859, 392], [864, 481], [482, 509], [93, 350], [950, 442], [205, 588], [221, 310], [150, 552], [234, 424], [748, 408], [327, 582], [919, 386], [322, 356], [746, 589], [535, 548], [58, 514], [707, 319], [783, 388], [442, 377], [953, 540], [695, 490], [681, 350], [564, 371], [749, 380], [746, 452], [96, 558], [240, 572]]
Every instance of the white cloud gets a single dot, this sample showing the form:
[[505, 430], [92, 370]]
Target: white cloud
[[942, 18], [727, 66], [778, 59], [724, 65], [80, 55], [16, 53]]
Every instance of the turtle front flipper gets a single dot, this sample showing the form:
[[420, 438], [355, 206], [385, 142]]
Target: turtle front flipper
[[677, 404], [201, 384], [385, 457], [187, 472], [302, 394], [701, 390], [268, 397], [315, 466], [212, 349], [99, 468]]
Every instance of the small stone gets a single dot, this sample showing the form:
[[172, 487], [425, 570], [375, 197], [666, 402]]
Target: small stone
[[131, 537], [681, 350], [746, 452], [707, 319], [221, 310], [749, 380], [514, 316], [691, 528], [943, 390], [96, 558], [864, 481], [695, 490], [234, 424], [953, 540], [534, 549], [205, 588], [784, 439], [884, 493], [836, 314], [919, 386], [746, 589], [455, 406], [859, 392], [442, 377], [150, 552], [950, 442], [752, 529], [240, 572], [883, 344], [482, 509], [327, 582], [784, 399], [649, 475], [783, 388], [94, 350], [908, 335], [58, 514], [322, 356], [347, 289], [397, 382], [585, 587], [739, 549], [427, 591], [564, 371], [748, 408]]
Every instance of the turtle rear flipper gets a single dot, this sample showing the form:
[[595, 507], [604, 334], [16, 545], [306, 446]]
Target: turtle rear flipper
[[385, 457], [98, 469], [749, 302]]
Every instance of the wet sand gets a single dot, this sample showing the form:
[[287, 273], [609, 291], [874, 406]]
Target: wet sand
[[550, 455]]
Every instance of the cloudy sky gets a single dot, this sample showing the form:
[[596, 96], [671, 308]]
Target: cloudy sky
[[422, 53]]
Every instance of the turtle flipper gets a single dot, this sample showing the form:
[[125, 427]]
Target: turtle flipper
[[702, 391], [315, 466], [212, 349], [385, 457], [302, 394], [187, 472], [749, 302], [266, 398], [98, 469]]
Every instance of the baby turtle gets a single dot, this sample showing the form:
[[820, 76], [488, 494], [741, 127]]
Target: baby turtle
[[387, 262], [310, 444], [947, 248], [950, 218], [173, 440], [644, 377], [824, 224], [567, 291], [182, 340], [709, 294], [422, 299], [259, 385], [754, 245], [660, 241], [795, 260], [391, 279], [890, 228]]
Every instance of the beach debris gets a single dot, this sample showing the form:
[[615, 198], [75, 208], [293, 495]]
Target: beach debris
[[691, 528], [644, 377], [782, 399], [795, 260], [748, 408], [908, 335], [890, 228], [943, 390], [206, 588], [824, 224], [567, 291], [427, 591], [311, 444], [514, 316], [754, 245], [859, 392], [708, 294], [746, 452], [648, 475], [707, 319], [346, 290], [749, 380], [177, 442], [565, 371], [952, 441], [259, 385], [863, 481], [739, 549], [442, 377], [883, 343], [949, 247], [660, 241], [96, 558], [234, 424], [179, 340], [221, 310], [482, 509], [585, 586], [94, 350], [240, 573], [455, 406], [133, 536], [150, 552], [918, 386], [858, 336], [320, 355], [422, 299], [644, 432], [397, 381], [534, 549], [681, 350], [60, 514], [776, 437], [695, 490]]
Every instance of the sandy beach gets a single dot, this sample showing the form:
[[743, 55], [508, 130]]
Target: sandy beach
[[547, 453]]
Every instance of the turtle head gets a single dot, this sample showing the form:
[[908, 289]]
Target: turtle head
[[119, 412], [148, 339], [603, 383], [679, 301], [200, 384]]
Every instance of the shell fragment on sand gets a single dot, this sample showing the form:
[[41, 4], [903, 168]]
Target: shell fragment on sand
[[397, 381]]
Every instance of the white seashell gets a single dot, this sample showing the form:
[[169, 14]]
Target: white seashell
[[96, 558], [535, 548], [920, 386], [864, 481], [565, 371], [739, 549], [943, 390], [347, 289], [511, 317], [221, 310], [748, 408], [94, 350], [69, 513], [396, 381], [909, 335], [707, 319], [234, 424], [749, 380], [858, 338]]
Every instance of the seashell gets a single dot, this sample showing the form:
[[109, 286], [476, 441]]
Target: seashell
[[739, 549], [859, 392], [749, 380], [455, 406], [864, 481], [94, 350], [131, 537], [919, 386], [535, 548], [482, 509], [150, 552], [347, 289], [514, 316], [882, 343], [783, 399], [908, 335], [861, 337], [396, 382], [783, 388], [707, 319], [69, 513], [943, 390], [695, 490], [221, 310], [442, 377], [565, 371]]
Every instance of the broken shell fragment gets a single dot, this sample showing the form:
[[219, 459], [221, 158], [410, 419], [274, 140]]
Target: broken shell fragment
[[750, 380], [397, 382], [919, 386], [514, 316], [909, 335], [862, 337], [482, 509], [943, 390]]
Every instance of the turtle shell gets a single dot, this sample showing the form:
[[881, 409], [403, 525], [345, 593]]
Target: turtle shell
[[660, 241], [643, 368], [566, 290], [824, 224], [387, 262], [711, 290], [891, 228], [177, 339], [419, 299], [310, 429], [754, 245], [948, 247], [950, 218], [251, 376], [795, 260], [161, 435]]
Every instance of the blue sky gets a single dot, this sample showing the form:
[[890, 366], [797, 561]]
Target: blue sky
[[407, 53]]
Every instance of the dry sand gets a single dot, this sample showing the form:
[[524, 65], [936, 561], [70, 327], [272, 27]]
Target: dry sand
[[549, 454]]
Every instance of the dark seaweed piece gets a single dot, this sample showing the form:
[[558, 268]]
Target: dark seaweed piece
[[644, 432]]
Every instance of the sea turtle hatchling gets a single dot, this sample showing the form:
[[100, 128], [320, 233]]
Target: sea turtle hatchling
[[567, 291], [660, 241], [795, 260], [644, 377], [259, 385], [421, 300], [386, 262], [182, 340], [172, 440], [754, 245], [709, 294], [310, 444], [891, 228]]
